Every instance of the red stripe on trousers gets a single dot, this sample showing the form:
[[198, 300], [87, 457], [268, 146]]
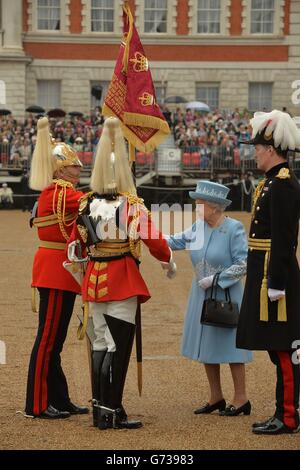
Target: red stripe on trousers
[[43, 355], [288, 389]]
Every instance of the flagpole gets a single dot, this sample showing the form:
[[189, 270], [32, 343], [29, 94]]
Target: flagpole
[[138, 316]]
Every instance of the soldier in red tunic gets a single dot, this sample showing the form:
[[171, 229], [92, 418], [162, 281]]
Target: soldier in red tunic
[[55, 171], [112, 222]]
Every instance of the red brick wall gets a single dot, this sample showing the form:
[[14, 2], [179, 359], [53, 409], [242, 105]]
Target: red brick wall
[[167, 53], [236, 9], [25, 15], [182, 17], [75, 16]]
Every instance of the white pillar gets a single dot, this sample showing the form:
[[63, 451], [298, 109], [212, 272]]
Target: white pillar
[[11, 25]]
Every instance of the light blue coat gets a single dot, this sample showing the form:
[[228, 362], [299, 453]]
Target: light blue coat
[[221, 249]]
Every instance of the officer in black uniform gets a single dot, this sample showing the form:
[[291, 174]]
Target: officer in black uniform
[[270, 316]]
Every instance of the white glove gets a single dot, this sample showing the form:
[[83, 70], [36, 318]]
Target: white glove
[[171, 273], [170, 267], [206, 282], [275, 294], [72, 253]]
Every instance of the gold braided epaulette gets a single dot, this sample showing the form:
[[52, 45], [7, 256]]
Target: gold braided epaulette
[[84, 200], [63, 183], [283, 174], [135, 200]]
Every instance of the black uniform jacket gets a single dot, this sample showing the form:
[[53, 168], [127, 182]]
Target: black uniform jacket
[[276, 217]]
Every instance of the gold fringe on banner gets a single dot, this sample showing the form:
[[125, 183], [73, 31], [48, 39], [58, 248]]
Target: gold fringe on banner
[[127, 38], [131, 153], [143, 120], [148, 146]]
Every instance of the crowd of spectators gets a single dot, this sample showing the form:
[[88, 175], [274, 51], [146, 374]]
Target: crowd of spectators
[[18, 138], [201, 136], [211, 135]]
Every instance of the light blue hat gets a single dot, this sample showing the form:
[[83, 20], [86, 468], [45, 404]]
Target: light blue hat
[[212, 192]]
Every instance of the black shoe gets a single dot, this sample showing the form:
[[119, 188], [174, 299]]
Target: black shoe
[[206, 409], [262, 423], [116, 419], [233, 411], [274, 426], [76, 410], [53, 413]]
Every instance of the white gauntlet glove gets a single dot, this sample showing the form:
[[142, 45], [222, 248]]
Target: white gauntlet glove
[[72, 253], [275, 294], [170, 267], [206, 282]]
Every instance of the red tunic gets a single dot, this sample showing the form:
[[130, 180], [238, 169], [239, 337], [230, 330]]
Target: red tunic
[[121, 279], [48, 270]]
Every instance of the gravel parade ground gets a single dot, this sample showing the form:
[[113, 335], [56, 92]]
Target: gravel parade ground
[[172, 385]]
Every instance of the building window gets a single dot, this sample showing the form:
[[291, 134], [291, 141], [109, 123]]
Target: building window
[[155, 16], [209, 94], [48, 15], [160, 91], [260, 96], [208, 16], [102, 16], [49, 93], [262, 16]]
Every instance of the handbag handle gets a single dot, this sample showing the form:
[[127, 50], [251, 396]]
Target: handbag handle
[[214, 288]]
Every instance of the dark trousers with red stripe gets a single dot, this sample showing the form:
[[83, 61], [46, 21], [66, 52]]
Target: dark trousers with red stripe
[[287, 387], [47, 384]]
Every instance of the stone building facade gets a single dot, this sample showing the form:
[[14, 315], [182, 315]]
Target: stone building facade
[[230, 53]]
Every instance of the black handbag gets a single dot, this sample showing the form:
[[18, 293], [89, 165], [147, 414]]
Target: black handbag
[[221, 313]]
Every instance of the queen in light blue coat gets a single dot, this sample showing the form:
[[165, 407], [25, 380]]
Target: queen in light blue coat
[[215, 244]]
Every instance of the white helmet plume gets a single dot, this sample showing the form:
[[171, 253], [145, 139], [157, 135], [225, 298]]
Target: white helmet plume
[[286, 134]]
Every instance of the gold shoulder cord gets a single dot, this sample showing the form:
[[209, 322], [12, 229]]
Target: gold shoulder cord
[[61, 205], [84, 200], [134, 244], [257, 193]]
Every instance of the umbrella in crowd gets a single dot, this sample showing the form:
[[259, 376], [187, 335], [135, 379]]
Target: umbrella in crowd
[[175, 99], [56, 112], [4, 112], [76, 113], [35, 109], [198, 106]]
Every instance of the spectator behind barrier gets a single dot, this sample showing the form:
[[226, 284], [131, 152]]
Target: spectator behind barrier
[[6, 197]]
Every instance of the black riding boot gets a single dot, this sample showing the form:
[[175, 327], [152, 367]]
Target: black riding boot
[[97, 361], [113, 375]]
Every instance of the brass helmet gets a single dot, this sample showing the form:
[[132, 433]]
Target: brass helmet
[[48, 156], [64, 154]]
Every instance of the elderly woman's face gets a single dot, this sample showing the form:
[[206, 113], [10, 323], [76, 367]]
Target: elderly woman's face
[[204, 209]]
